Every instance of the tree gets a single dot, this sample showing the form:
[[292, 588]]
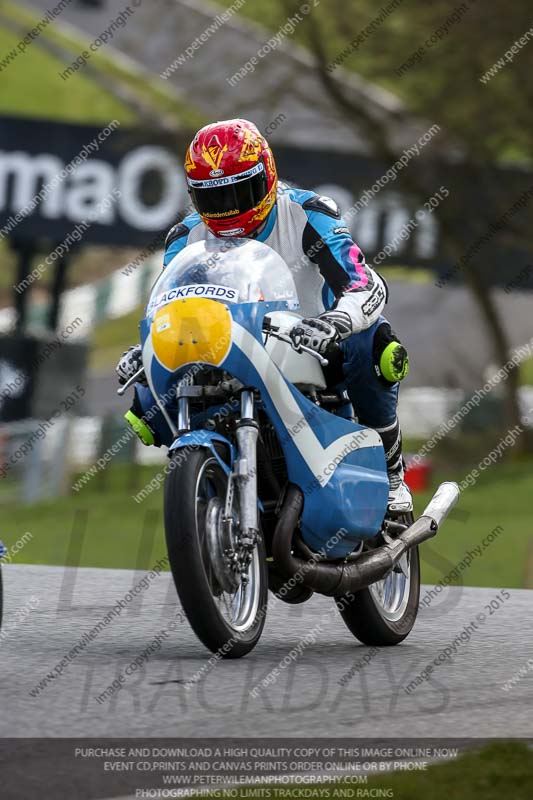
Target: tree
[[436, 57]]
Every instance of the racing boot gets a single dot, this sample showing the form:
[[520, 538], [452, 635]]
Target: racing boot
[[400, 497]]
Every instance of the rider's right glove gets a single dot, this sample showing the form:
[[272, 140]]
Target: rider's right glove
[[321, 333], [130, 363]]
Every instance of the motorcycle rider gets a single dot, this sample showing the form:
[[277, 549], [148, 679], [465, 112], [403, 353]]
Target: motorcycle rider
[[233, 184]]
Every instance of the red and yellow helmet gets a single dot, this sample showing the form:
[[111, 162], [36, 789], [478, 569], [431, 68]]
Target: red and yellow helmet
[[231, 177]]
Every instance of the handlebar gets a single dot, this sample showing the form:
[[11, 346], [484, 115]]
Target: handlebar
[[273, 330], [269, 329]]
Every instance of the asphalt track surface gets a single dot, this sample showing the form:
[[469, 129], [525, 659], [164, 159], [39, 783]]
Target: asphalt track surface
[[177, 693]]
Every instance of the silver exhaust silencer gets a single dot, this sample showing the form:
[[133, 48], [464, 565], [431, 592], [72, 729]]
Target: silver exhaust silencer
[[336, 579], [428, 524]]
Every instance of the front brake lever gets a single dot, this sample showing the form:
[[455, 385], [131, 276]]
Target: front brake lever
[[300, 348], [134, 378]]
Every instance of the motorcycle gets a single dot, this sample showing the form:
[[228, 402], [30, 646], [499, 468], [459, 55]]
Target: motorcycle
[[271, 483]]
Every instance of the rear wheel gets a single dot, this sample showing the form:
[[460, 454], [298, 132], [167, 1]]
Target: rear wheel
[[384, 613], [226, 612]]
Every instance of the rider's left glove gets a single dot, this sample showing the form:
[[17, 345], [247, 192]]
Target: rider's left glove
[[129, 364], [323, 332]]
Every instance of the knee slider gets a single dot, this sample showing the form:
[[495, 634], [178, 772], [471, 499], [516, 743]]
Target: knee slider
[[145, 433], [391, 361]]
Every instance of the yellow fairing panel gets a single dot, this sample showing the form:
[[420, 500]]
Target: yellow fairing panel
[[192, 330]]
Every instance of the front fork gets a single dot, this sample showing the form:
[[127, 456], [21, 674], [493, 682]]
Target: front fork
[[243, 478], [245, 471]]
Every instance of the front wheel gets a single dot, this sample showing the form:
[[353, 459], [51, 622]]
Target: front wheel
[[226, 612], [384, 613]]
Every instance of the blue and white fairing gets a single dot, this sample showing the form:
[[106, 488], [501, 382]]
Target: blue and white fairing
[[338, 464]]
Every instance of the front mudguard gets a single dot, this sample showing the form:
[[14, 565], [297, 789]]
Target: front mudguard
[[206, 439]]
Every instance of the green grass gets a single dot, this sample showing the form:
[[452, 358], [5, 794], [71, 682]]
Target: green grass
[[115, 521], [500, 771], [112, 522], [149, 89], [76, 100], [502, 496], [526, 372], [7, 272], [407, 274], [111, 338]]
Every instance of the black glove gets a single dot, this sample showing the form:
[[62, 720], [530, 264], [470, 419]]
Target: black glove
[[321, 333], [130, 362]]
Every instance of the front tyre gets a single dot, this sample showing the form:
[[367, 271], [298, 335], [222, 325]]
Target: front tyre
[[384, 613], [225, 613]]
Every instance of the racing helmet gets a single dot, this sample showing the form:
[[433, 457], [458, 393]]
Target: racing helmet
[[231, 177]]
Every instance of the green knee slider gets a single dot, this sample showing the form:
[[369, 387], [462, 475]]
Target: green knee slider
[[391, 360], [145, 434]]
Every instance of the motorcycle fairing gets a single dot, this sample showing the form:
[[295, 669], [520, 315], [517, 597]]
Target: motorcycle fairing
[[338, 464]]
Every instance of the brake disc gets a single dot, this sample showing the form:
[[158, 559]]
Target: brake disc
[[220, 546]]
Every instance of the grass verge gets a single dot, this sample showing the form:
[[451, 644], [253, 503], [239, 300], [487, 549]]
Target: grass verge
[[500, 771], [79, 100], [112, 337], [113, 528], [147, 88], [497, 508], [115, 522]]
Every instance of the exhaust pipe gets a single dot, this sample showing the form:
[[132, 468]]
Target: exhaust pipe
[[337, 579]]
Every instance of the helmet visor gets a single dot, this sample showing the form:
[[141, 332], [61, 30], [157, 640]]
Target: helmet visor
[[229, 196]]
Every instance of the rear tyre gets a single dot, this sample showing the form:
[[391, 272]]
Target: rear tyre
[[384, 613], [226, 615]]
